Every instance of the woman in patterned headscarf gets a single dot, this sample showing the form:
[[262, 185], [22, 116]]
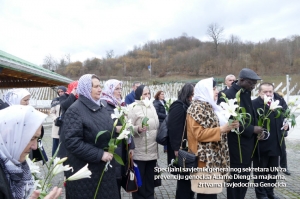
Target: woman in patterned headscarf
[[82, 121], [18, 135], [112, 98]]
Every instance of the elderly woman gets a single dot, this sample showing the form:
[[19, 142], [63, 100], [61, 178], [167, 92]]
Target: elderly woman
[[111, 98], [18, 135], [82, 122], [145, 153], [55, 112], [176, 121], [21, 96], [207, 129]]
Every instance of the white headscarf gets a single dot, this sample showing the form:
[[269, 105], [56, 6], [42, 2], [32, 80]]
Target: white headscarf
[[204, 92], [85, 87], [18, 124], [108, 92], [14, 96]]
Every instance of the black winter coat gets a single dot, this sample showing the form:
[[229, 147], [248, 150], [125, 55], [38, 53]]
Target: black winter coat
[[5, 192], [65, 102], [247, 138], [176, 123], [271, 146], [82, 121], [121, 149], [160, 110], [220, 95]]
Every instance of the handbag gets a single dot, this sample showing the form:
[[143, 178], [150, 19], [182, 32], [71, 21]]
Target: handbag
[[162, 134], [58, 121], [137, 174], [129, 182], [157, 181], [200, 182], [185, 158]]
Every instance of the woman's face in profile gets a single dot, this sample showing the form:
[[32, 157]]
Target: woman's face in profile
[[215, 93], [25, 100], [118, 91], [161, 96], [96, 89]]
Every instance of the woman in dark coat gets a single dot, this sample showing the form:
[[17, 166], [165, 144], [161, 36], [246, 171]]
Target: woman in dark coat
[[176, 124], [82, 122], [65, 101], [159, 104], [111, 98]]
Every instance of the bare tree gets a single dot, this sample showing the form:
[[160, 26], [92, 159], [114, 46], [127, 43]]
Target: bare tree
[[110, 54], [215, 32], [50, 63]]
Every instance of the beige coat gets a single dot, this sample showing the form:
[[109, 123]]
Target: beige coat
[[136, 113], [54, 113]]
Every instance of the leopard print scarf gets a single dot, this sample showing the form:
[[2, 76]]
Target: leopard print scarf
[[215, 154]]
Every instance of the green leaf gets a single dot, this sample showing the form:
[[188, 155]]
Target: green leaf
[[260, 122], [99, 133], [118, 159], [144, 121], [111, 142], [278, 113], [268, 124]]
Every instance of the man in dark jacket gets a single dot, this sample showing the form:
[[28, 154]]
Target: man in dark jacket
[[129, 99], [269, 149], [247, 81]]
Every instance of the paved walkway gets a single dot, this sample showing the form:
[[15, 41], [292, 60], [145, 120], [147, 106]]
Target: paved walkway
[[167, 190]]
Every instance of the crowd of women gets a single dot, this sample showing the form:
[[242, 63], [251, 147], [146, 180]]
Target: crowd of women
[[84, 109]]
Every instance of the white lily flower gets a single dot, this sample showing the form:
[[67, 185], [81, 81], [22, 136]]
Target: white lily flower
[[117, 113], [147, 102], [84, 172], [125, 109], [274, 105], [123, 135], [266, 99], [60, 168], [128, 124], [32, 166], [229, 107]]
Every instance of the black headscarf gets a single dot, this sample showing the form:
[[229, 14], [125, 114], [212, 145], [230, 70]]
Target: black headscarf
[[55, 101], [139, 92]]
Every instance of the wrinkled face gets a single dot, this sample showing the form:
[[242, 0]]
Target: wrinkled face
[[32, 145], [118, 91], [215, 93], [146, 93], [96, 89], [135, 86], [161, 96], [60, 92], [248, 84], [25, 100], [229, 81], [266, 90]]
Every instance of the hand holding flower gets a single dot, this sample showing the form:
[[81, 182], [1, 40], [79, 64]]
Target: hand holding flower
[[107, 156], [229, 126], [142, 129]]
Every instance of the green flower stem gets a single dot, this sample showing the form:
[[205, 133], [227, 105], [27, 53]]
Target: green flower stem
[[99, 183], [49, 174], [254, 148], [239, 141], [282, 137]]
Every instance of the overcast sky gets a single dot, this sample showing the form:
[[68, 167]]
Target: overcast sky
[[33, 29]]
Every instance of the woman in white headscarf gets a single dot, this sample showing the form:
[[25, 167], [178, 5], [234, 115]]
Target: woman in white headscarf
[[207, 129], [17, 96], [18, 135], [82, 122], [21, 96]]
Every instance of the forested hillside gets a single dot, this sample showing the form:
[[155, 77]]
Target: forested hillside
[[190, 56]]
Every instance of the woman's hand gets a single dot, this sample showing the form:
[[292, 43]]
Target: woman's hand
[[227, 127], [54, 194], [131, 151], [142, 129], [107, 157]]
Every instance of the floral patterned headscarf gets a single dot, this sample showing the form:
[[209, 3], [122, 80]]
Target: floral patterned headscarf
[[108, 92], [85, 87]]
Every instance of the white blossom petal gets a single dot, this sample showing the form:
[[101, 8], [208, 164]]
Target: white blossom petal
[[84, 172]]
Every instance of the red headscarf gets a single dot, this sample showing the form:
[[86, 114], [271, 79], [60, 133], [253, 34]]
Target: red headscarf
[[71, 86]]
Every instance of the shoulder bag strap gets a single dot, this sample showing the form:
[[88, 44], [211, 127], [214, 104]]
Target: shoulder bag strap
[[183, 134]]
